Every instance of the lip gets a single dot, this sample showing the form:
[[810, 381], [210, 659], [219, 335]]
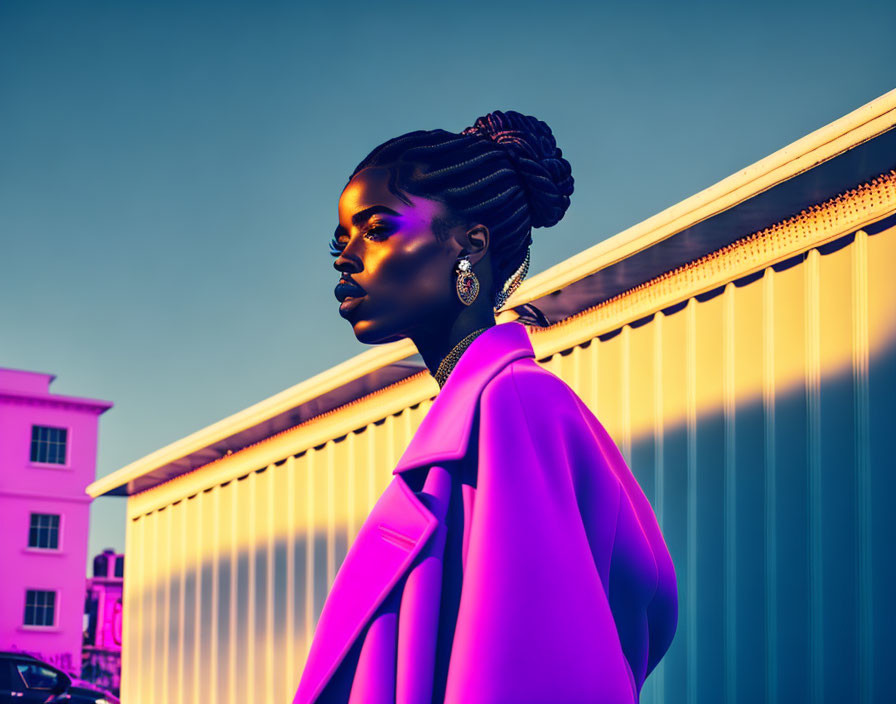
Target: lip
[[346, 288], [349, 304]]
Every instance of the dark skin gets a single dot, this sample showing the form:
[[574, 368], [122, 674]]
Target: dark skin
[[407, 272]]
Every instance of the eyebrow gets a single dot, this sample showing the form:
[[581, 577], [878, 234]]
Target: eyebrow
[[363, 215]]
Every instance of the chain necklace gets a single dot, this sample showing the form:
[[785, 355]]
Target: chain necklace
[[451, 358]]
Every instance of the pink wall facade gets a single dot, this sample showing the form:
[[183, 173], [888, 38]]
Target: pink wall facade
[[53, 488]]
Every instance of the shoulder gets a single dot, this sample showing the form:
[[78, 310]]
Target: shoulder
[[538, 392]]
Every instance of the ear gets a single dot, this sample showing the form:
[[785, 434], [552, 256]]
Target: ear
[[473, 242]]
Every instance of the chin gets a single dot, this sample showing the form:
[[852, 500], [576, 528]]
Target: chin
[[369, 333]]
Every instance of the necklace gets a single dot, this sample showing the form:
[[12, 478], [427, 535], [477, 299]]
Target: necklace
[[451, 358]]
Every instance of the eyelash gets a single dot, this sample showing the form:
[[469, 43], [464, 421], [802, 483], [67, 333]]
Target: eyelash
[[336, 247]]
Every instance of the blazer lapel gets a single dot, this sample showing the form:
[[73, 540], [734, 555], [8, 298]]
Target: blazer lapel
[[391, 537], [444, 432]]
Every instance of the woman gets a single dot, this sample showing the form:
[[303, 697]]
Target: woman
[[513, 558]]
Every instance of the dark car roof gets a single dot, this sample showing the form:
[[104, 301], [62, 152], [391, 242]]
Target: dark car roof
[[81, 691], [19, 656]]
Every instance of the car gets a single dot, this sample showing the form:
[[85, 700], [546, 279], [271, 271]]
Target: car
[[86, 694], [25, 680]]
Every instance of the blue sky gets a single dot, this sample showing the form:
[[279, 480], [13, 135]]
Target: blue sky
[[169, 172]]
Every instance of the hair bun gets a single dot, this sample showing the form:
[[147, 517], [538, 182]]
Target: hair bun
[[546, 176]]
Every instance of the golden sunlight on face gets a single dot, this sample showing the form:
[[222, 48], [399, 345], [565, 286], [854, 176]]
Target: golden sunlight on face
[[403, 274]]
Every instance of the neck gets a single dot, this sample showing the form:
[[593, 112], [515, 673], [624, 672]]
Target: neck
[[434, 345]]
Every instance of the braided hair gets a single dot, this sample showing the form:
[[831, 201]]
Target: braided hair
[[504, 171]]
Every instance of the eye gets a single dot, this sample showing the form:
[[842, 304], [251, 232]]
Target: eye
[[377, 234]]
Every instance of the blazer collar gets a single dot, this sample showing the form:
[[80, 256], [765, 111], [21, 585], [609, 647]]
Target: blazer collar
[[445, 430]]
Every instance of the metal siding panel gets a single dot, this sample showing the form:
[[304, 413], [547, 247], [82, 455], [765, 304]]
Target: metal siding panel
[[212, 533], [594, 387], [568, 366], [329, 469], [133, 633], [791, 519], [623, 374], [768, 446], [163, 588], [813, 394], [550, 363], [745, 504], [860, 364], [143, 667], [301, 591], [260, 603], [880, 482], [227, 628], [609, 401], [575, 371], [291, 664], [353, 518], [641, 389], [243, 595], [729, 506], [278, 587], [202, 601], [838, 520], [393, 446], [307, 476], [340, 502], [708, 493], [381, 452], [154, 588], [193, 598], [588, 374], [370, 461], [654, 688], [680, 680], [317, 536], [178, 611]]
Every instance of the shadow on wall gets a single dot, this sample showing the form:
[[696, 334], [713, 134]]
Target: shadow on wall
[[775, 518]]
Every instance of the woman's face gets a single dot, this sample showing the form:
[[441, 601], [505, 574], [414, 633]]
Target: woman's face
[[389, 249]]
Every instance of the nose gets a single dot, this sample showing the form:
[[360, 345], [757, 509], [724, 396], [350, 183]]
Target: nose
[[347, 264]]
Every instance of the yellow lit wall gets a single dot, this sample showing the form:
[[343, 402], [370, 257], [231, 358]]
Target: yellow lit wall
[[751, 393]]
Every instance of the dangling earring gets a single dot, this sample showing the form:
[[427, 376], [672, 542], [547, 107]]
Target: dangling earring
[[467, 283]]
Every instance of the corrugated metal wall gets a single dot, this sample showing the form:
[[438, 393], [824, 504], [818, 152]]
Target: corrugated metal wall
[[757, 421], [756, 418], [228, 583]]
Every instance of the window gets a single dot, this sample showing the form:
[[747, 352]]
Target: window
[[101, 565], [119, 566], [36, 676], [40, 608], [48, 444], [44, 531]]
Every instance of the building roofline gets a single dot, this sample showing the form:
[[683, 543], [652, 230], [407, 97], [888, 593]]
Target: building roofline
[[58, 400], [373, 369], [29, 371], [714, 217], [622, 261]]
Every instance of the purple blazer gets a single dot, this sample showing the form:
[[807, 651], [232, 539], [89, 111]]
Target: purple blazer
[[512, 559]]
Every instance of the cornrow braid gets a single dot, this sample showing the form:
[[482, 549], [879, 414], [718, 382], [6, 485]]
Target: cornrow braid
[[504, 171]]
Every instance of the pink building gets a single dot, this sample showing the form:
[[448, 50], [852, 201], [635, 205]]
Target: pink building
[[47, 457], [102, 638]]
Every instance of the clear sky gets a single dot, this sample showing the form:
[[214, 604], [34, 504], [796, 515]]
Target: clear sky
[[169, 172]]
